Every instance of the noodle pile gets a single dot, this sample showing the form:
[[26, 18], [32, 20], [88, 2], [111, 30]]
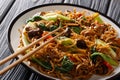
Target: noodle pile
[[77, 54]]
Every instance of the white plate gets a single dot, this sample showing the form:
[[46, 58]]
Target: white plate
[[19, 21]]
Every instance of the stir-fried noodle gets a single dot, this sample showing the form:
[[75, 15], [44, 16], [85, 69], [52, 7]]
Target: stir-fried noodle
[[90, 46]]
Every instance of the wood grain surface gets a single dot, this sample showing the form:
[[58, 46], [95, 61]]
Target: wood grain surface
[[9, 9]]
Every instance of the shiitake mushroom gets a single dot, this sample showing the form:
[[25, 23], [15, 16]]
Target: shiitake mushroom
[[81, 44]]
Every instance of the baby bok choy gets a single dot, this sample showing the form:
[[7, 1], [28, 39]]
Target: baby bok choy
[[111, 51], [44, 64], [104, 57], [49, 16], [67, 65]]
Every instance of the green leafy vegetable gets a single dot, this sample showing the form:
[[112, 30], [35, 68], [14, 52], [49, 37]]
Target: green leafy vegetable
[[37, 18], [111, 51], [93, 49], [42, 63], [30, 20], [34, 18], [61, 69], [67, 65], [99, 19], [83, 17], [53, 28], [25, 37], [25, 41], [43, 27], [77, 29], [50, 17], [63, 17], [105, 57], [54, 17], [67, 42], [60, 24]]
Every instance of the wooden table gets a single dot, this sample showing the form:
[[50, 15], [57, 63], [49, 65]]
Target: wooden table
[[9, 9]]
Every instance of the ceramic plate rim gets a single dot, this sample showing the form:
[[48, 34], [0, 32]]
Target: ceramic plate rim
[[44, 5]]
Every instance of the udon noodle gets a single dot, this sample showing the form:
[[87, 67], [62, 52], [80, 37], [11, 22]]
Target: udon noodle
[[90, 46]]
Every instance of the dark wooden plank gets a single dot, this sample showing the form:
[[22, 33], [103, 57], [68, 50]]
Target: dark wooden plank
[[85, 3], [99, 5], [114, 10], [4, 7], [19, 72], [31, 77]]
